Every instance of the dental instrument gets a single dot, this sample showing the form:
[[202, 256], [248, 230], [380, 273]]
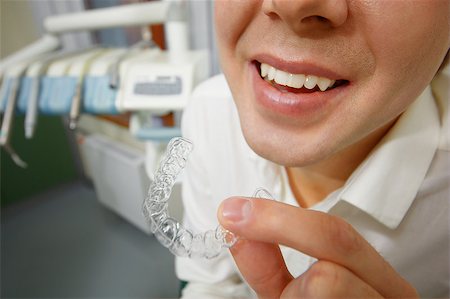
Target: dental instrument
[[59, 85], [169, 232], [11, 98], [81, 68], [98, 96], [30, 87], [31, 112], [4, 91], [56, 86], [13, 77]]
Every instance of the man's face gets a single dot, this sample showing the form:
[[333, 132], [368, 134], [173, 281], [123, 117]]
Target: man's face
[[361, 63]]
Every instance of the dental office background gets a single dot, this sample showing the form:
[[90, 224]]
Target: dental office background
[[58, 241]]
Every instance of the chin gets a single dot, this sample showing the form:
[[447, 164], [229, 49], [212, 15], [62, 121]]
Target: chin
[[283, 149]]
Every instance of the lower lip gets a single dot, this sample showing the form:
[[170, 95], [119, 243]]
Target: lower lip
[[294, 105]]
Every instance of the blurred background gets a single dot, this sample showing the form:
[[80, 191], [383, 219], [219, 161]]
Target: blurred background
[[72, 184]]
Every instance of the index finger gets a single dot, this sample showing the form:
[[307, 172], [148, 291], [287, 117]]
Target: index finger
[[314, 233]]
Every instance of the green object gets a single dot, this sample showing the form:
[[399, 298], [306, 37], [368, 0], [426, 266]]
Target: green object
[[47, 154], [183, 284]]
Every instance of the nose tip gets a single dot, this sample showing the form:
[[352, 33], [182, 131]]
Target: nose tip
[[301, 14]]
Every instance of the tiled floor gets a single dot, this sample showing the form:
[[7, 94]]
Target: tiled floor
[[64, 244]]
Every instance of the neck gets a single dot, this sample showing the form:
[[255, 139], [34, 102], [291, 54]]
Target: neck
[[312, 183]]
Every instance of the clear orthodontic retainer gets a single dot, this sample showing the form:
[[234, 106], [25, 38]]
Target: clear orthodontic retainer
[[169, 232]]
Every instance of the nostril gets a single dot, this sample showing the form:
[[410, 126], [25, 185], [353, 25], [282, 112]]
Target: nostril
[[314, 19], [321, 19], [272, 15]]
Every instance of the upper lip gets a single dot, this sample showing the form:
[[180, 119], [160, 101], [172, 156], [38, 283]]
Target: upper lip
[[301, 66]]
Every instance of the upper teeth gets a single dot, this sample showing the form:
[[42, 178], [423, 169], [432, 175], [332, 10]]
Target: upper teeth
[[295, 80]]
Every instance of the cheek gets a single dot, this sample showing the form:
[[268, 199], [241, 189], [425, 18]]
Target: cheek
[[408, 40], [232, 18]]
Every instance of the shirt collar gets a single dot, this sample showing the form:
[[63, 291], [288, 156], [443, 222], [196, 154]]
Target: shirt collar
[[441, 90], [386, 183]]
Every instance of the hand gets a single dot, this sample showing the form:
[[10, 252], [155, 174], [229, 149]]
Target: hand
[[347, 265]]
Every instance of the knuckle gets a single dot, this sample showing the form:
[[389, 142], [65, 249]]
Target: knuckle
[[342, 236]]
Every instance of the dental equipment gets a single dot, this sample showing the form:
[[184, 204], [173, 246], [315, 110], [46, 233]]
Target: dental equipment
[[126, 67], [59, 85], [31, 112], [4, 91], [146, 42], [80, 68], [13, 77], [143, 127], [98, 96], [176, 32], [158, 84], [170, 233], [137, 14], [29, 94], [47, 43]]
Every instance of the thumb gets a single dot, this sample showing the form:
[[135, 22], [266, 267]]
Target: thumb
[[261, 264]]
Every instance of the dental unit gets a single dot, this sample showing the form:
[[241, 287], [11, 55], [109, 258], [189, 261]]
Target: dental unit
[[183, 66], [145, 43], [143, 80]]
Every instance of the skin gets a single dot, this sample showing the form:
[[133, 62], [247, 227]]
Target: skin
[[389, 51]]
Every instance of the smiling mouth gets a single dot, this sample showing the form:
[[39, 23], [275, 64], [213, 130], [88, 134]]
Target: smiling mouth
[[296, 83]]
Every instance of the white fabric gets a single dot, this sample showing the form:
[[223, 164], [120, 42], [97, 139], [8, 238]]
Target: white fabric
[[397, 199]]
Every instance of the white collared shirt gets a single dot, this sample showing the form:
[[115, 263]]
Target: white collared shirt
[[397, 199]]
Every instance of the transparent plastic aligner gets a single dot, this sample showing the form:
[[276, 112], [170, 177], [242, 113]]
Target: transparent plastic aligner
[[169, 232], [262, 193]]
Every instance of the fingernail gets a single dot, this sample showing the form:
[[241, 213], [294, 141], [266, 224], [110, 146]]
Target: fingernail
[[236, 209]]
